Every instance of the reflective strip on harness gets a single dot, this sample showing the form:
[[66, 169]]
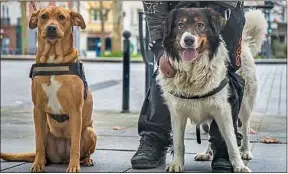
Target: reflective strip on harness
[[57, 68]]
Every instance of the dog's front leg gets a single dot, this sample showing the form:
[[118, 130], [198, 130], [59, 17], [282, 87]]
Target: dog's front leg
[[178, 128], [40, 131], [76, 127], [224, 121]]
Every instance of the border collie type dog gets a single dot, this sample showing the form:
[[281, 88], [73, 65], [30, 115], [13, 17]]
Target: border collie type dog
[[195, 48]]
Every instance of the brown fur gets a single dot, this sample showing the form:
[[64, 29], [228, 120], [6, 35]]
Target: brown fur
[[74, 140]]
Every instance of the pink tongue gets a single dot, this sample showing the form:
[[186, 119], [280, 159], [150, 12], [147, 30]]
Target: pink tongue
[[189, 54]]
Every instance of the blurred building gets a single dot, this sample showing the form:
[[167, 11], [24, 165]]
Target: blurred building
[[131, 22], [10, 28], [90, 37]]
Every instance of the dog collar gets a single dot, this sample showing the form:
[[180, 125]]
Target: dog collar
[[213, 92]]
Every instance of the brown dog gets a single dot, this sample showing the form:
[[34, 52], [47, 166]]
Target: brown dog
[[72, 140]]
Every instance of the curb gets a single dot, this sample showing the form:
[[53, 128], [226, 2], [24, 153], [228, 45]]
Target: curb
[[119, 60]]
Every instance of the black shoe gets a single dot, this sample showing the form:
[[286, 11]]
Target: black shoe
[[150, 154], [221, 162]]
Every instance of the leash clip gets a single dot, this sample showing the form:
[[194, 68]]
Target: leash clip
[[227, 14]]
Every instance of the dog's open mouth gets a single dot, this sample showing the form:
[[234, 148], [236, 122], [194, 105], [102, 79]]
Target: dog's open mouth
[[189, 54]]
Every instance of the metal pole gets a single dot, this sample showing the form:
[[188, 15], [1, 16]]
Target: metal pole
[[126, 72], [150, 65], [23, 27], [143, 48], [269, 33], [76, 30]]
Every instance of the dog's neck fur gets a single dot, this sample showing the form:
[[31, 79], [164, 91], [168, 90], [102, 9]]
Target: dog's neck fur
[[66, 44], [200, 77]]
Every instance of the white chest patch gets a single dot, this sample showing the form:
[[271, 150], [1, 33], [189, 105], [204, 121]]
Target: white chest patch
[[51, 92], [51, 59]]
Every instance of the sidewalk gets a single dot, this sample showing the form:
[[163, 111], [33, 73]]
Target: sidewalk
[[118, 140]]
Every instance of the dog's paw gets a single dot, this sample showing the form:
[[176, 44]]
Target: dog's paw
[[42, 59], [203, 157], [243, 169], [246, 155], [59, 59], [174, 168], [87, 162], [73, 168], [37, 167]]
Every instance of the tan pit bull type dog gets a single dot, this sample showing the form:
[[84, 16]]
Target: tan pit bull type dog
[[62, 112]]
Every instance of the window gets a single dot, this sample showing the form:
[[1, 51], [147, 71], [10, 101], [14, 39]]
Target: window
[[95, 14], [93, 43]]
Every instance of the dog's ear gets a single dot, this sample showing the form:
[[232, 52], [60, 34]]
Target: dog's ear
[[77, 20], [168, 23], [34, 19], [216, 20]]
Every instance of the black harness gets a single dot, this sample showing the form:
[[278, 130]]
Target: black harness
[[49, 69], [222, 84]]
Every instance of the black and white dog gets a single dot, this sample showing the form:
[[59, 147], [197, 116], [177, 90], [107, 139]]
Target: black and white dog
[[197, 51]]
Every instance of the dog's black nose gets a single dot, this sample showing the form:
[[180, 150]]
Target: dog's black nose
[[51, 28], [189, 40]]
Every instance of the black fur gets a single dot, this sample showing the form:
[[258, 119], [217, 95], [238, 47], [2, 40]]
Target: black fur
[[212, 19]]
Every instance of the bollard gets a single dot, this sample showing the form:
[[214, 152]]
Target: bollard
[[126, 72]]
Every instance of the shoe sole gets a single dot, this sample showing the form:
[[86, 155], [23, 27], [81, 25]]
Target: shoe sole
[[148, 165]]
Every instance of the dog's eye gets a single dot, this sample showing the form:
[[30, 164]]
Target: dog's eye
[[61, 17], [44, 16], [180, 25], [200, 26]]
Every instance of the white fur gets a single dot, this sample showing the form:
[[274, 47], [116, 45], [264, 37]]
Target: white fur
[[202, 76], [183, 44], [51, 59], [51, 92]]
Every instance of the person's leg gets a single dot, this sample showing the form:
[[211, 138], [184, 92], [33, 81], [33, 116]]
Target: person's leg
[[154, 127], [231, 35]]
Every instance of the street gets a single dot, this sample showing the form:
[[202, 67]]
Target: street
[[105, 82], [117, 132]]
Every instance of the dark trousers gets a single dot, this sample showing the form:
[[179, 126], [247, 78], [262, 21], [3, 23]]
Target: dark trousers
[[154, 120]]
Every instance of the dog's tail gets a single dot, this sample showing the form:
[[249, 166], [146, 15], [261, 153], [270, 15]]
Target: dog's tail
[[21, 157], [255, 30]]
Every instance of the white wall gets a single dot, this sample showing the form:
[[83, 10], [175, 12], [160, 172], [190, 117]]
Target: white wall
[[131, 21]]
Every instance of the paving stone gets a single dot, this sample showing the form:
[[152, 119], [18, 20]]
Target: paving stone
[[269, 158], [104, 161], [5, 165], [190, 166]]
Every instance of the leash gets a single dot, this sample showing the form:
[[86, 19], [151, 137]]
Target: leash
[[33, 5]]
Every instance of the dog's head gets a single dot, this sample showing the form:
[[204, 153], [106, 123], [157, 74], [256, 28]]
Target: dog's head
[[189, 32], [54, 22]]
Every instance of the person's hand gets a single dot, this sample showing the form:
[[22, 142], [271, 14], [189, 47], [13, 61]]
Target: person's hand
[[165, 67]]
